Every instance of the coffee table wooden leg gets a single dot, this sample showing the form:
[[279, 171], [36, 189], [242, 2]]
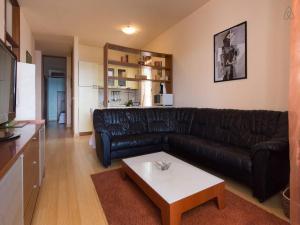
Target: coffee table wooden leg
[[123, 174], [171, 217], [221, 200]]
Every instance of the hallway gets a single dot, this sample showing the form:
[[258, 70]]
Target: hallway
[[67, 196]]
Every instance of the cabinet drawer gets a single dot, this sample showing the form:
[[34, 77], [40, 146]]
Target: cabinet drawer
[[11, 205], [28, 211], [31, 169]]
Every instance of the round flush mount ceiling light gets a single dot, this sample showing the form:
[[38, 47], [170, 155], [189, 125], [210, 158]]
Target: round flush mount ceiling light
[[129, 30]]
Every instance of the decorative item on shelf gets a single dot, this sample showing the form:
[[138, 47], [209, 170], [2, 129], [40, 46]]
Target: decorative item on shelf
[[142, 77], [136, 104], [121, 74], [167, 78], [110, 73], [147, 60], [141, 61], [125, 58], [115, 96], [159, 75], [162, 165], [129, 103], [162, 89], [158, 63]]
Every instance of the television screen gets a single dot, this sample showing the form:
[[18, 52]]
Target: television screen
[[8, 69]]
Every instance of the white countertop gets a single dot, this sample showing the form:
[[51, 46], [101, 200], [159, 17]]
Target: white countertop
[[130, 107]]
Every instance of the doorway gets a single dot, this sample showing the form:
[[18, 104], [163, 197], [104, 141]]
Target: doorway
[[55, 74]]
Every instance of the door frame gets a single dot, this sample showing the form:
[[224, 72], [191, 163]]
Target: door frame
[[45, 87]]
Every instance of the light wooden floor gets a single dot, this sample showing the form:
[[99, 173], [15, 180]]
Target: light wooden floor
[[68, 197]]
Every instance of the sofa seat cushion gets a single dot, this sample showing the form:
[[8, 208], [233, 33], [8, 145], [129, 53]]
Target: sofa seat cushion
[[137, 140], [219, 153]]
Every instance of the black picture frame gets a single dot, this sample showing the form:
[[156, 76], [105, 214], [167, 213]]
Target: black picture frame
[[28, 57], [230, 57]]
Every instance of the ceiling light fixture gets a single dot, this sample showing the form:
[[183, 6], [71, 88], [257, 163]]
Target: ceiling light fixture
[[129, 30]]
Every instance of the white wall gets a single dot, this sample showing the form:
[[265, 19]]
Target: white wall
[[2, 21], [191, 43], [75, 85], [69, 94], [38, 84], [26, 39], [90, 54]]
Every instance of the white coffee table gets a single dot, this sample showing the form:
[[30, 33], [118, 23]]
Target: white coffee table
[[176, 190]]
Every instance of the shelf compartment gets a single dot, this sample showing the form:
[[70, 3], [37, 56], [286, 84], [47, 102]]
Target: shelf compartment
[[10, 39], [122, 48], [136, 79], [125, 64], [134, 65]]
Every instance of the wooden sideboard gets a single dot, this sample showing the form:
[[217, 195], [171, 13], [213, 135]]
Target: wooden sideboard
[[21, 172]]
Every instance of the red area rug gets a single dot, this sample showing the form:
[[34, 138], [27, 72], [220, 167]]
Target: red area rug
[[125, 204]]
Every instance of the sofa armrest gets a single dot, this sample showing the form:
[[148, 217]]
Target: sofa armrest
[[270, 167], [103, 143], [280, 144]]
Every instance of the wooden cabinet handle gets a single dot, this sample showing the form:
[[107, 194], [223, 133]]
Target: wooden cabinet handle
[[34, 162], [35, 186], [34, 138]]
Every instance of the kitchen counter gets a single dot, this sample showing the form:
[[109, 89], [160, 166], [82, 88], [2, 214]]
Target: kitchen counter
[[133, 107]]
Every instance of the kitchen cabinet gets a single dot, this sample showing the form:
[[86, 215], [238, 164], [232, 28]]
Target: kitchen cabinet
[[132, 85], [90, 74], [11, 192], [42, 153], [88, 99], [20, 179]]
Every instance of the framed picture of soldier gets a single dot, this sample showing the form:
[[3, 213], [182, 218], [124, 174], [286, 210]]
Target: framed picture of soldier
[[230, 54]]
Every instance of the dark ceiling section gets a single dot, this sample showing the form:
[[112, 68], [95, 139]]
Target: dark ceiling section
[[54, 66]]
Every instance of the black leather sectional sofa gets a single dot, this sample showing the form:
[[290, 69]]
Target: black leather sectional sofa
[[251, 146]]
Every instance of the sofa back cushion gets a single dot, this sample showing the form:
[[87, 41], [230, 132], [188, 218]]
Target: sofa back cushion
[[137, 121], [158, 120], [113, 121], [181, 120], [243, 128]]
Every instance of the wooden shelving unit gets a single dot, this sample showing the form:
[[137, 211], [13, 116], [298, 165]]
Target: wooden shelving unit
[[138, 54], [13, 39], [135, 65], [136, 79]]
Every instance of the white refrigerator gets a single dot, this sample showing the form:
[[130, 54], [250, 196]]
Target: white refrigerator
[[25, 97], [90, 93]]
